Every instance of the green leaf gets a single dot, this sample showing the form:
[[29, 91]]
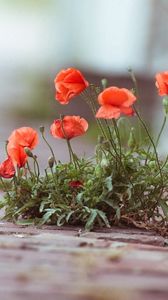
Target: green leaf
[[118, 213], [129, 193], [61, 220], [164, 207], [42, 205], [2, 203], [69, 215], [108, 183], [47, 216], [25, 222], [103, 216], [25, 206], [90, 222], [111, 203], [79, 197]]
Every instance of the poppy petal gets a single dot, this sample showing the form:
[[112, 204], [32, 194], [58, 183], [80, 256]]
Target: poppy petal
[[127, 111], [7, 169], [17, 154], [162, 83], [116, 97], [108, 112]]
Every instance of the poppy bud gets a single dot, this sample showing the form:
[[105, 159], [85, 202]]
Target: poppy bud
[[51, 161], [165, 104], [28, 152], [41, 129], [104, 83], [132, 140]]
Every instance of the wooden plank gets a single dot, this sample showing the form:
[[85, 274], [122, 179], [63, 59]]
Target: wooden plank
[[52, 263]]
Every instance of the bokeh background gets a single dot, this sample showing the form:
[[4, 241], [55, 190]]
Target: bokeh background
[[103, 38]]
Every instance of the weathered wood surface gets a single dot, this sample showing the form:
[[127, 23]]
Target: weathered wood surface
[[54, 263]]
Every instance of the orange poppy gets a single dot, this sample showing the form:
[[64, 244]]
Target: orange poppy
[[17, 154], [7, 169], [68, 84], [24, 137], [162, 83], [69, 127], [115, 101], [18, 140]]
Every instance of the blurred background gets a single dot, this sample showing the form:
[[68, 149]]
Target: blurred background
[[103, 38]]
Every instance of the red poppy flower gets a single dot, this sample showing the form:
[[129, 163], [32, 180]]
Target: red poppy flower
[[162, 83], [69, 127], [18, 140], [24, 137], [75, 184], [17, 154], [7, 169], [68, 84], [114, 102]]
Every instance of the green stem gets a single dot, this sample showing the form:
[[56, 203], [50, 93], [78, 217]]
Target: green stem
[[158, 138], [70, 150], [52, 152], [30, 172], [5, 187], [161, 130], [111, 138], [73, 157], [118, 157], [138, 99], [91, 103], [45, 170], [147, 154], [118, 135], [151, 140], [37, 165], [54, 179]]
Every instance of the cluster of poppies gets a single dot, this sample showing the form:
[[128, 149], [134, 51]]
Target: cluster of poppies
[[69, 83]]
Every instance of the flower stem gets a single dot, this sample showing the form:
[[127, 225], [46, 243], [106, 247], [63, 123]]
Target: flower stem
[[4, 187], [52, 152], [161, 130], [70, 150], [73, 157], [117, 135], [30, 172], [151, 140], [37, 165], [138, 98], [91, 103]]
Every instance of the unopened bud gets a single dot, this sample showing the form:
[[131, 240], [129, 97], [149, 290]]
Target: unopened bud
[[132, 140], [51, 161], [41, 129], [165, 104], [104, 83], [28, 152]]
